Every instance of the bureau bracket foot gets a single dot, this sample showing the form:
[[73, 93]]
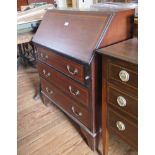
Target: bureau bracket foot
[[38, 93], [92, 141]]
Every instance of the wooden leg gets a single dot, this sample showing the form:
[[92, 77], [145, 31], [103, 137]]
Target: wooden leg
[[38, 93], [45, 100]]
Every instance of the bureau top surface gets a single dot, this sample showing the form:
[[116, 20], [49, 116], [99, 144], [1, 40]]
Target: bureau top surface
[[126, 50], [76, 34]]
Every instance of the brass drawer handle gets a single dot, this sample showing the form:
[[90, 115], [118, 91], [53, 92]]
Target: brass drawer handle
[[120, 126], [44, 57], [49, 92], [75, 93], [75, 112], [121, 101], [124, 75], [46, 75], [41, 54], [72, 71]]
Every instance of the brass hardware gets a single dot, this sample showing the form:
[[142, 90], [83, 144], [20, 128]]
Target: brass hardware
[[66, 23], [41, 54], [120, 126], [87, 77], [124, 75], [75, 112], [49, 92], [75, 71], [121, 101], [44, 57], [75, 93], [46, 75], [44, 72]]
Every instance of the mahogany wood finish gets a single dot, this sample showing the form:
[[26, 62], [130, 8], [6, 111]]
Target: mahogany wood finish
[[130, 134], [67, 85], [61, 63], [65, 102], [68, 65], [120, 116], [120, 28], [132, 107], [77, 33]]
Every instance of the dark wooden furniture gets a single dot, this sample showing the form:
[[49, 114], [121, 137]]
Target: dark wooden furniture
[[120, 92], [25, 49], [68, 66]]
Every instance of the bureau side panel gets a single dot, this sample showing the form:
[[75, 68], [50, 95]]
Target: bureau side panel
[[96, 93], [121, 28]]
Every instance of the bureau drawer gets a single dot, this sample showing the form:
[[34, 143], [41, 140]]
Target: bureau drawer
[[75, 90], [65, 65], [123, 77], [123, 101], [65, 102], [124, 128]]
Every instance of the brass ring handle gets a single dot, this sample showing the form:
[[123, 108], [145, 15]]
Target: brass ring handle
[[121, 101], [49, 92], [120, 126], [74, 72], [124, 75], [75, 112], [75, 93]]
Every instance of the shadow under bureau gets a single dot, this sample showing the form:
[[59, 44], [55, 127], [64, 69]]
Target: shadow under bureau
[[69, 68], [120, 92]]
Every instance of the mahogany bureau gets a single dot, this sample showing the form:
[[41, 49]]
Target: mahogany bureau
[[120, 92], [69, 68]]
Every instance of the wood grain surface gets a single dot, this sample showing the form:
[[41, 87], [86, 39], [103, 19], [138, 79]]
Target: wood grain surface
[[45, 130], [126, 50]]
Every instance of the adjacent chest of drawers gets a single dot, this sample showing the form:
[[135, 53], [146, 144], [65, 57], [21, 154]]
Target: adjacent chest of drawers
[[120, 92], [69, 68]]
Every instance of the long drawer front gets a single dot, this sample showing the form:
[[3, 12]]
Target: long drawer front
[[123, 127], [58, 97], [65, 65], [71, 88]]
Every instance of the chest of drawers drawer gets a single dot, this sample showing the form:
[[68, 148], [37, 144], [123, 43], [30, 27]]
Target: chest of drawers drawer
[[65, 102], [123, 75], [71, 88], [122, 101], [123, 127], [61, 63]]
